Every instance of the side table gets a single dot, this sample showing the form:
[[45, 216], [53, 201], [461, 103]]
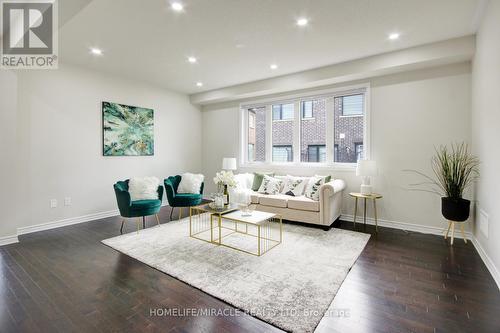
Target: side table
[[374, 197]]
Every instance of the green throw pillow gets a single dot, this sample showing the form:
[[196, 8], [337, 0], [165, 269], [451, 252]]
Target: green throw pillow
[[258, 178], [327, 178]]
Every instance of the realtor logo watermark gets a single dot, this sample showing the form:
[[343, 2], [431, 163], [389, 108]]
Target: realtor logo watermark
[[29, 34]]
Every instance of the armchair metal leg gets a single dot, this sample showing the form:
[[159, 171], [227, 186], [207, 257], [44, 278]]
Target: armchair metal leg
[[144, 222], [171, 211], [138, 224], [157, 219], [121, 228]]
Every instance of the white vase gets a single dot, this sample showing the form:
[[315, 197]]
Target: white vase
[[219, 201]]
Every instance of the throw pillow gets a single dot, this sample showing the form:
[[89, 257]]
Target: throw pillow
[[294, 185], [283, 181], [312, 189], [244, 180], [241, 181], [143, 188], [257, 179], [270, 185], [190, 183], [327, 178]]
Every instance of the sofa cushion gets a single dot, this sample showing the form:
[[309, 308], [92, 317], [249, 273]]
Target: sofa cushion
[[186, 200], [277, 200], [303, 203], [145, 207]]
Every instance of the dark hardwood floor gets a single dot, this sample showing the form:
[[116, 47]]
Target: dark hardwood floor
[[65, 280]]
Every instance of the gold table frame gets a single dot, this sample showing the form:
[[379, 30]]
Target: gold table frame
[[374, 197], [269, 231]]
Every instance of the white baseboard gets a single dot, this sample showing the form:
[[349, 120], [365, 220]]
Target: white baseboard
[[66, 222], [487, 261], [6, 240], [434, 231], [406, 226]]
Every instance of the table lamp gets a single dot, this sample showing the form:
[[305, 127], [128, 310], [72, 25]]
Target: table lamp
[[366, 169], [229, 163]]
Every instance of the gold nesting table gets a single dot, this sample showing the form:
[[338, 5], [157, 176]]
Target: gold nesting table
[[255, 234]]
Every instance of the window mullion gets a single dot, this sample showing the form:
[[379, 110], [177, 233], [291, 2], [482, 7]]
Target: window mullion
[[330, 135], [269, 133], [367, 125], [296, 132], [244, 158]]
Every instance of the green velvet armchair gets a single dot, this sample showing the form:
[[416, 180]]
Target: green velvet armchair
[[138, 208], [181, 200]]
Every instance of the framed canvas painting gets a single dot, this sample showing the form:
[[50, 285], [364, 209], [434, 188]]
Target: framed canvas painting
[[127, 130]]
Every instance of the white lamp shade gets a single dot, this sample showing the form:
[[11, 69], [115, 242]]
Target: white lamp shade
[[229, 163], [366, 168]]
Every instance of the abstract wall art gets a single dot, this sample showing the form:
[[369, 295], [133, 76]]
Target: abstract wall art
[[127, 130]]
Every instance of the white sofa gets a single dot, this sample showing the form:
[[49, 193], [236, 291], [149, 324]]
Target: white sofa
[[300, 208]]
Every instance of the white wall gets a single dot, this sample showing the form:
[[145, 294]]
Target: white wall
[[411, 113], [486, 129], [12, 183], [59, 146]]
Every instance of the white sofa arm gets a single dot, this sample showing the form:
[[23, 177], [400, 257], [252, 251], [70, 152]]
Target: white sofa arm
[[330, 201], [330, 188]]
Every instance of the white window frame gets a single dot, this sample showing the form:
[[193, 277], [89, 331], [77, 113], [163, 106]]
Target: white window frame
[[330, 95]]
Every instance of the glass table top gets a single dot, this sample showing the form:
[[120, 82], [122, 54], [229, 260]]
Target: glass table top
[[209, 208]]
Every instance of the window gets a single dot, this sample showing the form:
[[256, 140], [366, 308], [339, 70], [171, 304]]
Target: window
[[282, 154], [352, 105], [282, 133], [349, 131], [283, 112], [251, 120], [307, 109], [256, 135], [313, 130], [251, 152], [316, 153], [358, 147], [329, 128]]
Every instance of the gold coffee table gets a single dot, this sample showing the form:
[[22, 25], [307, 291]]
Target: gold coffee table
[[201, 221], [255, 234]]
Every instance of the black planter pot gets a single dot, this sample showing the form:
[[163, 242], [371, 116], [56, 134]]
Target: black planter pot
[[455, 209]]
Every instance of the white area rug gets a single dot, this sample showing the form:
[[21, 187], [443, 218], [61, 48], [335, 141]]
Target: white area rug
[[291, 286]]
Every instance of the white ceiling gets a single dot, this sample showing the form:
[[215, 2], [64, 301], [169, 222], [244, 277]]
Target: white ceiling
[[236, 40]]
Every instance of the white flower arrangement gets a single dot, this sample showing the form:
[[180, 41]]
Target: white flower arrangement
[[224, 178]]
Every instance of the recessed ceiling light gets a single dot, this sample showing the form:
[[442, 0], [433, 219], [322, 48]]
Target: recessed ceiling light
[[199, 84], [394, 36], [177, 6], [301, 22], [273, 66], [95, 51], [192, 60]]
